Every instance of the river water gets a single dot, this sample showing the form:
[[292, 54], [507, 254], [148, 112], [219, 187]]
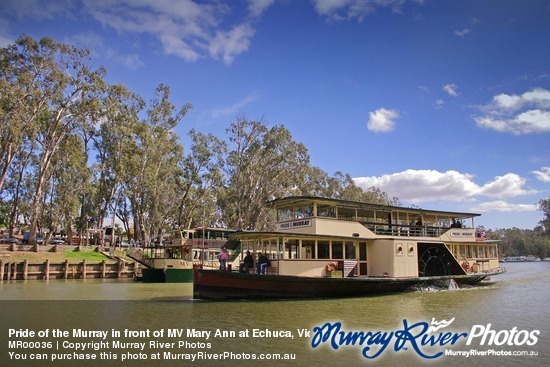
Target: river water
[[514, 308]]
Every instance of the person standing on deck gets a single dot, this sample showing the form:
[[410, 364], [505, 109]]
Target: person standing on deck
[[222, 257]]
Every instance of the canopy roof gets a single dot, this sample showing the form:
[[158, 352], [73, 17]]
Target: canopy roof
[[297, 201]]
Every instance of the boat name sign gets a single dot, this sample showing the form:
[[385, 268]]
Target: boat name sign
[[462, 234], [295, 224]]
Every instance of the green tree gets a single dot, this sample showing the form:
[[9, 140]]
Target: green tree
[[55, 95], [118, 123], [151, 166], [544, 207], [262, 164], [197, 185], [67, 183]]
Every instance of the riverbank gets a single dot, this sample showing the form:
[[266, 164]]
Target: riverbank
[[58, 253], [65, 262]]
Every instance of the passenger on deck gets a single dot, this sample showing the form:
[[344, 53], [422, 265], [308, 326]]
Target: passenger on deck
[[222, 257], [418, 227], [247, 263], [262, 263], [456, 224]]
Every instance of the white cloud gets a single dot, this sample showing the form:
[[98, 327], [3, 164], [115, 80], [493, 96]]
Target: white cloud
[[543, 174], [258, 7], [506, 186], [37, 9], [185, 28], [235, 107], [439, 103], [418, 186], [423, 185], [382, 120], [518, 114], [502, 206], [227, 45], [355, 9], [451, 89], [462, 33]]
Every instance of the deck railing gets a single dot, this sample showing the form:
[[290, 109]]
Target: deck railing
[[402, 230]]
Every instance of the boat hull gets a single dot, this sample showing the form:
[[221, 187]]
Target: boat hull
[[153, 275], [220, 285]]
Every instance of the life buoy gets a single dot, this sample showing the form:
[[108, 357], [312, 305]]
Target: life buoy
[[332, 266], [186, 250], [465, 265]]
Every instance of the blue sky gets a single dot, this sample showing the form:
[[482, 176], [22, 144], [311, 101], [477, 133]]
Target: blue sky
[[444, 104]]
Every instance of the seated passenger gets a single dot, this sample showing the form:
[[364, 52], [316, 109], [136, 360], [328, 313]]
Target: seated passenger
[[262, 263], [247, 263]]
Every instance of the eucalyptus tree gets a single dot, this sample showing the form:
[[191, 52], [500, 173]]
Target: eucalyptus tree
[[375, 195], [60, 89], [341, 186], [262, 164], [16, 185], [20, 103], [112, 131], [67, 183], [151, 165], [544, 207], [201, 176]]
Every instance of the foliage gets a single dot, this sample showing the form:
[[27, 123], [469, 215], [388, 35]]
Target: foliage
[[262, 164], [544, 207], [76, 151], [521, 242]]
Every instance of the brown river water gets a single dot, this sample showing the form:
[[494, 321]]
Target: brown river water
[[124, 323]]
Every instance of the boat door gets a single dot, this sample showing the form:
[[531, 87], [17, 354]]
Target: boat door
[[362, 267], [351, 265]]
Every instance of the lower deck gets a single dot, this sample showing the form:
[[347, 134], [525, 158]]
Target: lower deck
[[318, 256]]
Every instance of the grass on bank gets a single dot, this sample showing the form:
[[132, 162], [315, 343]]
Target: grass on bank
[[71, 256]]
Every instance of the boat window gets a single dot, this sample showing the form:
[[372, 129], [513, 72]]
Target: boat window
[[305, 211], [269, 248], [291, 249], [326, 211], [482, 253], [308, 249], [364, 215], [346, 213], [363, 251], [350, 250], [323, 250], [284, 214], [337, 250]]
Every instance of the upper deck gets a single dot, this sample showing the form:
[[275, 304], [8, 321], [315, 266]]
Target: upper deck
[[323, 216]]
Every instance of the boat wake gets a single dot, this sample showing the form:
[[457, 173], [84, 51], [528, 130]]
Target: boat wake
[[436, 286]]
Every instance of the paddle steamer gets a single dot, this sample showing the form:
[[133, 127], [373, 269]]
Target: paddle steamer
[[335, 248]]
